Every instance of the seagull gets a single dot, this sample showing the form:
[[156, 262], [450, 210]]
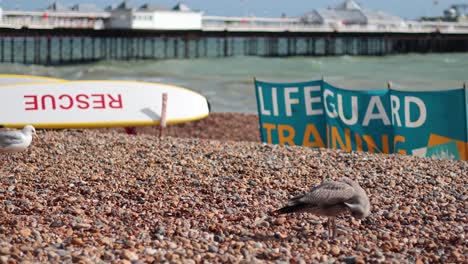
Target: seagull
[[16, 140], [331, 199]]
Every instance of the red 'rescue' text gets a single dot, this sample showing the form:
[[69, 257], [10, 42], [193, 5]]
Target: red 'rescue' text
[[68, 102]]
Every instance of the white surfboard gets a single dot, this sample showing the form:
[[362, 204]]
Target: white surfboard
[[7, 79], [86, 104]]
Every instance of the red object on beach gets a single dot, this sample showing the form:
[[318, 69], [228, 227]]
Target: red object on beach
[[131, 130], [162, 124]]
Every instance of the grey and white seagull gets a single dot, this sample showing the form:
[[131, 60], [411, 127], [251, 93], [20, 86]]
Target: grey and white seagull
[[331, 199], [16, 140]]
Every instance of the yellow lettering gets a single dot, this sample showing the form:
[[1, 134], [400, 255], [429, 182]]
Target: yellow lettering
[[372, 147], [395, 141], [358, 142], [336, 138], [286, 139], [269, 128], [312, 130]]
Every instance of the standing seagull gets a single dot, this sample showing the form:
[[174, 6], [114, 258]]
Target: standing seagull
[[331, 198], [16, 140]]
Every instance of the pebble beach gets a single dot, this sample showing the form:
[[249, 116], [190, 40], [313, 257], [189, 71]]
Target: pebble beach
[[205, 193]]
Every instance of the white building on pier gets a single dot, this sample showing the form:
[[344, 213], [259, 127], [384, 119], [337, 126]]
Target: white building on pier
[[56, 16], [346, 17], [350, 13], [155, 17]]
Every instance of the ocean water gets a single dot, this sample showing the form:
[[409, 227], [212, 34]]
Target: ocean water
[[228, 82]]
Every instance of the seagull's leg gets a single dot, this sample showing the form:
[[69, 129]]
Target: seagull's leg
[[333, 227], [328, 227]]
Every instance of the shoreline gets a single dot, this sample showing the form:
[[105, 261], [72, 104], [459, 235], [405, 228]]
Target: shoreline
[[96, 196]]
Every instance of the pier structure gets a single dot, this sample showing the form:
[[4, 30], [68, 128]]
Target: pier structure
[[61, 35], [68, 46]]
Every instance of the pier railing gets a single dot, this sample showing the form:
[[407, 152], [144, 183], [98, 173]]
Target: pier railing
[[51, 20], [253, 24], [18, 23]]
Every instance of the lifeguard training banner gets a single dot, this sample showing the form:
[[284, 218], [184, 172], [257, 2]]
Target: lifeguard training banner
[[317, 114]]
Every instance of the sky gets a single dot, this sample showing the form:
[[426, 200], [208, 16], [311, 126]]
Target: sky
[[409, 9]]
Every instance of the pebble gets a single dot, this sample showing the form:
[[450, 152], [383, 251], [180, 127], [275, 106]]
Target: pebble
[[25, 232], [350, 259], [4, 259], [200, 194], [150, 251], [213, 249], [129, 255], [280, 221], [335, 251], [4, 250], [77, 241]]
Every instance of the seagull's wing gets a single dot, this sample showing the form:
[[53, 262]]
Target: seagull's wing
[[327, 193], [8, 138]]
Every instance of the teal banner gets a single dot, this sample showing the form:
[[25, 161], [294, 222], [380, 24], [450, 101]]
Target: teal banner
[[317, 114], [291, 113]]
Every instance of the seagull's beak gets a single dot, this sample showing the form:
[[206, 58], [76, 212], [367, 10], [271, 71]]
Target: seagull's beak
[[36, 136]]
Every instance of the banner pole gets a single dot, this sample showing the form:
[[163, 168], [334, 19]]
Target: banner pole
[[162, 123], [258, 110], [466, 120]]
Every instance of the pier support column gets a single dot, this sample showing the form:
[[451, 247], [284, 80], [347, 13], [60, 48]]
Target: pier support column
[[330, 46], [12, 49], [128, 48], [186, 48], [197, 48], [83, 50], [205, 47], [2, 46], [70, 47], [231, 46], [25, 50], [176, 48], [60, 58], [225, 46], [218, 47], [93, 48], [49, 51], [166, 43]]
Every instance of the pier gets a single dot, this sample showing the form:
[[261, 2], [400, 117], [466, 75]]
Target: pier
[[67, 46], [60, 35]]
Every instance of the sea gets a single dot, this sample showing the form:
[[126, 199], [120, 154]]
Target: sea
[[228, 83]]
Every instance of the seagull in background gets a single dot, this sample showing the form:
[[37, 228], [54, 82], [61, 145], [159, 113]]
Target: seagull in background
[[16, 140], [331, 199]]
